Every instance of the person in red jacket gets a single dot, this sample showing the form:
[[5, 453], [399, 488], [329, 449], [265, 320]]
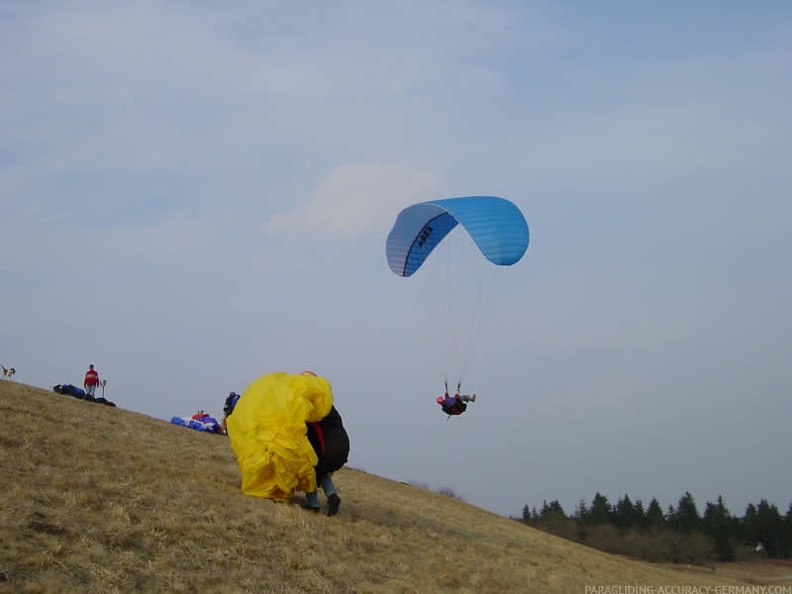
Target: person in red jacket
[[91, 381]]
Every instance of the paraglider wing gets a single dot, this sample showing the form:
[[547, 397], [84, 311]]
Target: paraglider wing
[[207, 423], [268, 433], [496, 226]]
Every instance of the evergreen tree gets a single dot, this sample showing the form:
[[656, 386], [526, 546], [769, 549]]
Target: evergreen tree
[[769, 528], [526, 517], [639, 514], [552, 518], [623, 515], [718, 524], [685, 518], [600, 512], [654, 514], [581, 512], [748, 525], [552, 511]]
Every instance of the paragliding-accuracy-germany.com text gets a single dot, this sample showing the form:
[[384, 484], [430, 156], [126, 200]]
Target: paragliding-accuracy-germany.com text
[[748, 589]]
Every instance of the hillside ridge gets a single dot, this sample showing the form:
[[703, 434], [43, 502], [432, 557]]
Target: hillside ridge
[[98, 499]]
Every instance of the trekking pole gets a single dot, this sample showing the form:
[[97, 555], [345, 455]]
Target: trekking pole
[[103, 383]]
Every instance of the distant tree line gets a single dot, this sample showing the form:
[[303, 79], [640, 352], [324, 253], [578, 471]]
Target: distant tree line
[[680, 534]]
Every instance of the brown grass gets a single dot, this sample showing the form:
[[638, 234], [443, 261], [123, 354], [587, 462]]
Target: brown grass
[[102, 500]]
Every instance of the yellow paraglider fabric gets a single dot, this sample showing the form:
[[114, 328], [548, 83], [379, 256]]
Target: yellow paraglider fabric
[[269, 437]]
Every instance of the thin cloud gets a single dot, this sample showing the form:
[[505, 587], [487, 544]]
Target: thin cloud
[[358, 199]]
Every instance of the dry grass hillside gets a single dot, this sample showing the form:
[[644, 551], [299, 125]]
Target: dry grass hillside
[[95, 499]]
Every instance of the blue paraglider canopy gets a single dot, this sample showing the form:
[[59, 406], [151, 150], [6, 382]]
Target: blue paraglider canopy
[[495, 225]]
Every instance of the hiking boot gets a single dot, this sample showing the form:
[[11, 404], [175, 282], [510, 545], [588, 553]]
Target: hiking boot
[[310, 508], [333, 502]]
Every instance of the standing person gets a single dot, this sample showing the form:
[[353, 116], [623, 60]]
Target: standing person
[[228, 408], [90, 382]]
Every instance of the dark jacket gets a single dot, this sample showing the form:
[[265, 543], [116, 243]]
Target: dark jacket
[[330, 442], [230, 403], [453, 406]]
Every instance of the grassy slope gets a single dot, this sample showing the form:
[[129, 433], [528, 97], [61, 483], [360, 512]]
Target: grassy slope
[[100, 499]]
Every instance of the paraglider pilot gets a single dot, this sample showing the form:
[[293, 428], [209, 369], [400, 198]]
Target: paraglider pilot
[[456, 404]]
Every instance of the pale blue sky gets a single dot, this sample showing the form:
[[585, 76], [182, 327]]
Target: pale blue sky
[[194, 194]]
